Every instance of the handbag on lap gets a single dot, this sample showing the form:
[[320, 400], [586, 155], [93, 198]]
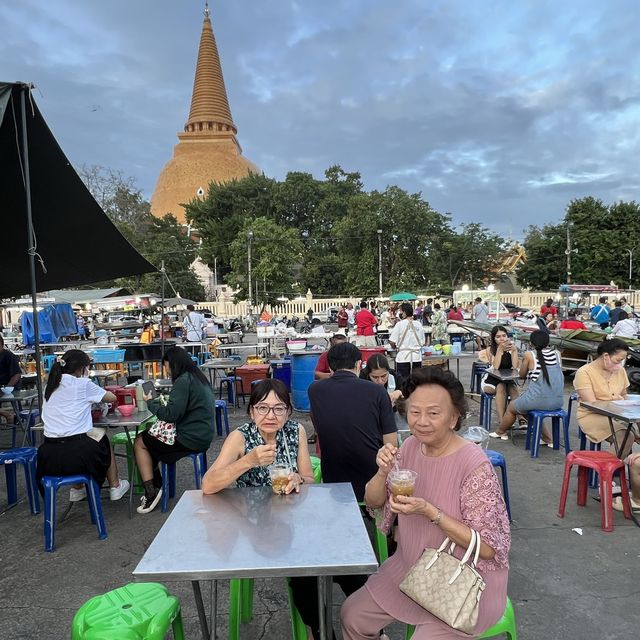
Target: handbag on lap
[[446, 587]]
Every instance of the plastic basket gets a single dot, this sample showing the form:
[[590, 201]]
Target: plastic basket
[[108, 355]]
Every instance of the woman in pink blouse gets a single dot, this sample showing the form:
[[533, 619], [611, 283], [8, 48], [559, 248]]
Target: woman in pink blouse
[[456, 489]]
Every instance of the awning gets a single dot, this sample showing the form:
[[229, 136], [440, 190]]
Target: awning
[[76, 243]]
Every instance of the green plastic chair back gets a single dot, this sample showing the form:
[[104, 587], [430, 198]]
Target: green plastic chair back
[[506, 624], [137, 611], [317, 470]]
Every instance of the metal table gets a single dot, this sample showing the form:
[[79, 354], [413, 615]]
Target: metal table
[[451, 356], [115, 420], [16, 398], [253, 533], [236, 347]]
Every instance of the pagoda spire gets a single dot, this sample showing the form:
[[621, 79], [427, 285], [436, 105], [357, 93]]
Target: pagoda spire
[[210, 110]]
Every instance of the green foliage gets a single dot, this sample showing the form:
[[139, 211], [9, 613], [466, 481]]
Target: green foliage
[[602, 234]]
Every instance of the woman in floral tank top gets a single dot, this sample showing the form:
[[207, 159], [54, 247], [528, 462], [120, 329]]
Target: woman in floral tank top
[[269, 438]]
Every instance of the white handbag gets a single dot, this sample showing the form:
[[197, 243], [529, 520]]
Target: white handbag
[[446, 587]]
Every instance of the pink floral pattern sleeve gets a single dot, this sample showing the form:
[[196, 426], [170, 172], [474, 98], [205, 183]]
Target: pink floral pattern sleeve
[[483, 509]]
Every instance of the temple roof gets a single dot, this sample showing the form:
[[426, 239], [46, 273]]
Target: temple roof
[[209, 102]]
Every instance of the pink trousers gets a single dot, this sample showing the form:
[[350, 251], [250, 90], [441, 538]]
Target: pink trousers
[[362, 619]]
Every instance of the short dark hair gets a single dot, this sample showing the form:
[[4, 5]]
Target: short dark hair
[[429, 300], [343, 355], [603, 299], [407, 309], [337, 338], [442, 378], [612, 346], [363, 305], [478, 299], [617, 303], [623, 315], [190, 307], [264, 388]]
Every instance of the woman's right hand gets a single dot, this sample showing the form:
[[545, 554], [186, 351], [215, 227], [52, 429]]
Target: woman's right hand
[[264, 455], [386, 458]]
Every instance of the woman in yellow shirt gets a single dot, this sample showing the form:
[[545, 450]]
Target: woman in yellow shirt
[[605, 379]]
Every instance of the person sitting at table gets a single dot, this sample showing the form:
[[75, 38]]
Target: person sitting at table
[[378, 371], [605, 379], [500, 354], [271, 437], [191, 408], [626, 327], [572, 322], [10, 374], [72, 446], [456, 490], [542, 368], [322, 369]]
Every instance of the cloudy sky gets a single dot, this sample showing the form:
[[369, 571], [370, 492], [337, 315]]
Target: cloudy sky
[[497, 111]]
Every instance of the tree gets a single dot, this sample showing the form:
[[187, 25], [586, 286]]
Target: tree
[[275, 252]]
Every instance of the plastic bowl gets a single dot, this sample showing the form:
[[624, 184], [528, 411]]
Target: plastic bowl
[[296, 345], [7, 390], [126, 410]]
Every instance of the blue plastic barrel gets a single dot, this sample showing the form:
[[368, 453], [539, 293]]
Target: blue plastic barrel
[[282, 371], [302, 367]]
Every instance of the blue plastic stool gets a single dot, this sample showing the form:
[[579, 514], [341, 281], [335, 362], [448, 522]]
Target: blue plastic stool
[[168, 471], [231, 382], [477, 371], [51, 484], [48, 362], [195, 359], [203, 356], [26, 456], [222, 413], [497, 460], [534, 429], [486, 406]]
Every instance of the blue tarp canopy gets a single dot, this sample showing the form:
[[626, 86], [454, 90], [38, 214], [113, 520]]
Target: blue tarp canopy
[[54, 321]]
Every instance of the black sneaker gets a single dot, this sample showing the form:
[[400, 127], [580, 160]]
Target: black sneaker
[[148, 504]]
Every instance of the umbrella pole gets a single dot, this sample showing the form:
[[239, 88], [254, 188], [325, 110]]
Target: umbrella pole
[[162, 271], [31, 241]]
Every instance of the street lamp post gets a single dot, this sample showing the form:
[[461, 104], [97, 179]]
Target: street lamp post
[[249, 238], [379, 263], [630, 252], [568, 252]]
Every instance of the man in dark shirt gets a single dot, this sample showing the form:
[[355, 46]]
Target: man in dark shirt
[[10, 372], [353, 419]]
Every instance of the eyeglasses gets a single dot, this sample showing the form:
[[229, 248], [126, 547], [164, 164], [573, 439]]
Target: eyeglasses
[[263, 410]]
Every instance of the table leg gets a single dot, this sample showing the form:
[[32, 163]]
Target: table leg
[[613, 437], [214, 608], [202, 616], [322, 604]]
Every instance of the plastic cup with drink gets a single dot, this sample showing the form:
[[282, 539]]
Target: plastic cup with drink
[[279, 474], [402, 482]]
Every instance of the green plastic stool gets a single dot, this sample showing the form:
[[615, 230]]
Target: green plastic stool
[[506, 624], [317, 470], [137, 611], [121, 439]]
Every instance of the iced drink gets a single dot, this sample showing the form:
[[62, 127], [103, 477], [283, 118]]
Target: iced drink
[[402, 482], [279, 474]]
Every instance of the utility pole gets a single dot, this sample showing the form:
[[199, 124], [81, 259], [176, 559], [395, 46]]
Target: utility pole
[[568, 251], [249, 238], [379, 263]]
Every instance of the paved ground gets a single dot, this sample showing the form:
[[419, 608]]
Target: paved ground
[[563, 585]]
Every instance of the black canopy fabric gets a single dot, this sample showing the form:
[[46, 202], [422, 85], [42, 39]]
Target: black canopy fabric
[[76, 243]]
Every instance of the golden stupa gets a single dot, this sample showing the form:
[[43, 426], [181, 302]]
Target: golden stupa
[[208, 150]]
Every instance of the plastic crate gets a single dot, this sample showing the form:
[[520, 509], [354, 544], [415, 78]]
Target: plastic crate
[[108, 355]]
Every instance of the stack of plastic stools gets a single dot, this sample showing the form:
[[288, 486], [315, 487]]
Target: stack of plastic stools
[[607, 465], [477, 371], [26, 456], [497, 460], [168, 471], [534, 430], [506, 625], [232, 382], [51, 484], [137, 611], [486, 406], [222, 414]]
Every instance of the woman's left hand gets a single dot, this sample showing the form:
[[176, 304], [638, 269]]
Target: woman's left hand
[[410, 504], [295, 480]]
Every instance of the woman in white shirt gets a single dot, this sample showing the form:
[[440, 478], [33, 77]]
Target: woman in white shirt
[[625, 327], [71, 445]]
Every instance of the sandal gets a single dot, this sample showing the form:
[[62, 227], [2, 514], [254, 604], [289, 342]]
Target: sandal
[[497, 434]]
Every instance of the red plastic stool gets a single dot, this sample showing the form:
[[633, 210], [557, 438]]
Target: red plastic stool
[[125, 396], [606, 465]]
